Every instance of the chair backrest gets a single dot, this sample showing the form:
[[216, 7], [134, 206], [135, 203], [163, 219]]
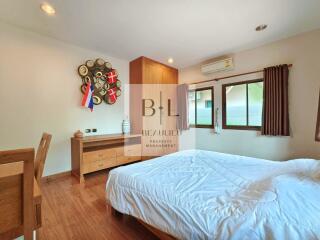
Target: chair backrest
[[16, 193], [41, 156]]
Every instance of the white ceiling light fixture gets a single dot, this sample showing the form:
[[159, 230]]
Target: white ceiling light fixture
[[261, 27], [48, 9], [170, 60]]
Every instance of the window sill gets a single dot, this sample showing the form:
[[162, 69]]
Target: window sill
[[242, 128], [202, 126]]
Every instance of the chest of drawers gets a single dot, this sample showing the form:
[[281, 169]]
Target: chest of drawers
[[90, 154]]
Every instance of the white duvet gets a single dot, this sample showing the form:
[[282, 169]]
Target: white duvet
[[199, 194]]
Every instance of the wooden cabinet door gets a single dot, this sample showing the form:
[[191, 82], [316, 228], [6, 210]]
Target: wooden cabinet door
[[160, 124], [169, 75], [157, 75], [152, 72]]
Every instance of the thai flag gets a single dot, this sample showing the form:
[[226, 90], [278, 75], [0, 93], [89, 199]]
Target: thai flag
[[87, 100]]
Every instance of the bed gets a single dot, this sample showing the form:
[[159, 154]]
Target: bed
[[196, 194]]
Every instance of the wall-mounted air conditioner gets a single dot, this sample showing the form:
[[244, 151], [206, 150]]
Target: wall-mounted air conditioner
[[222, 65]]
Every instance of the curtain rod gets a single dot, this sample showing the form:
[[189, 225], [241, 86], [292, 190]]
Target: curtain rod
[[230, 76]]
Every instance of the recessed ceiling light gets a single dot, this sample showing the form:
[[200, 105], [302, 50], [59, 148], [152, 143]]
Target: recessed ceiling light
[[261, 27], [48, 9], [170, 60]]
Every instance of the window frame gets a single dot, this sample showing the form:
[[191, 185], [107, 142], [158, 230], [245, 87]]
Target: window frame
[[224, 106], [317, 138], [212, 108]]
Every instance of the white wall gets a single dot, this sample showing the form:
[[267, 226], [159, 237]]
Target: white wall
[[40, 91], [303, 52]]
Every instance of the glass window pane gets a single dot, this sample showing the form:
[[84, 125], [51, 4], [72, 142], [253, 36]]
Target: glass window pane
[[236, 105], [208, 104], [255, 101], [192, 107], [204, 110]]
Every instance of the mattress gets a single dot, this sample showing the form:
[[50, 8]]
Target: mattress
[[197, 194]]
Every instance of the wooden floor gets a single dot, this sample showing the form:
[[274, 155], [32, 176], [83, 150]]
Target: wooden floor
[[74, 211]]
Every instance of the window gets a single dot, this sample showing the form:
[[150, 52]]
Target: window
[[242, 105], [201, 108], [208, 103]]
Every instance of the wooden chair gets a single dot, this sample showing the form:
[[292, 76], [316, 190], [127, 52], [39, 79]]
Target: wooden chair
[[16, 193], [41, 156]]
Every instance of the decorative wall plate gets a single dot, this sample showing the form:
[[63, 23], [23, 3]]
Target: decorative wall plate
[[98, 74], [98, 85], [108, 65], [87, 79], [107, 86], [109, 100], [83, 88], [83, 70], [102, 92], [96, 100], [100, 62], [90, 63]]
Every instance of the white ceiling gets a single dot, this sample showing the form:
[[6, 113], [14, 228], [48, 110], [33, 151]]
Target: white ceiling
[[190, 31]]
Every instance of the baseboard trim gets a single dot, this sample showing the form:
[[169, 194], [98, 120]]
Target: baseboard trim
[[54, 177]]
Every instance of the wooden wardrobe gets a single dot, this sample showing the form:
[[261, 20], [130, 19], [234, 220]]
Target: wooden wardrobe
[[148, 80]]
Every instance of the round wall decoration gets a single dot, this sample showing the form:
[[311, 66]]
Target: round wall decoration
[[100, 74]]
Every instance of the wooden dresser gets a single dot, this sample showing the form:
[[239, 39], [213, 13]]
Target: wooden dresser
[[94, 153]]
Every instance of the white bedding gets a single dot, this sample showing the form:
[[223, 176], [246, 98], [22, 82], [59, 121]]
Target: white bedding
[[197, 194]]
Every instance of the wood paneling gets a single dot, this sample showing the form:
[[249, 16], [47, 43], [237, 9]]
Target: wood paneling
[[136, 71], [152, 72], [170, 76]]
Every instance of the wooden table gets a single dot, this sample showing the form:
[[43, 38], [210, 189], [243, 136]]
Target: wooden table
[[15, 169]]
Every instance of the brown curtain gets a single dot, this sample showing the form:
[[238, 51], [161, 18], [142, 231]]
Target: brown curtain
[[318, 123], [275, 120], [183, 107]]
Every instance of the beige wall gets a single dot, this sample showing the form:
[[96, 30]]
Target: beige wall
[[303, 52], [40, 91]]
